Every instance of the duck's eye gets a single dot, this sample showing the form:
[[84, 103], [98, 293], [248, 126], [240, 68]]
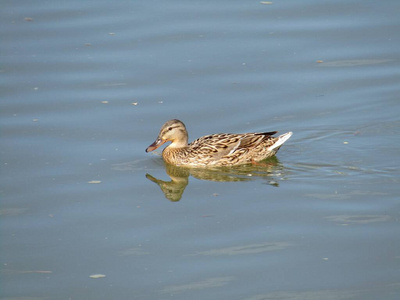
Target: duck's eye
[[169, 128]]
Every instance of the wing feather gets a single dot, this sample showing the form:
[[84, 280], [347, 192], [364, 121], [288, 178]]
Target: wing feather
[[215, 146]]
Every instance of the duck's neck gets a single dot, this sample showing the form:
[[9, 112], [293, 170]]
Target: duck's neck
[[177, 145], [174, 155], [182, 142]]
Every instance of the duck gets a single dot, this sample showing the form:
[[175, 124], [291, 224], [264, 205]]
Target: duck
[[221, 149]]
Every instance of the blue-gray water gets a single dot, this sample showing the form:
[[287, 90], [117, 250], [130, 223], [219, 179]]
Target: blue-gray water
[[85, 88]]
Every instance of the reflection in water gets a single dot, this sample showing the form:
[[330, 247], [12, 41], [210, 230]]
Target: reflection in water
[[333, 294], [173, 189], [358, 219], [13, 211], [197, 285], [270, 170], [354, 62], [308, 295], [246, 249]]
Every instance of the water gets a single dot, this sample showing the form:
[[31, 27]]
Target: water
[[85, 88]]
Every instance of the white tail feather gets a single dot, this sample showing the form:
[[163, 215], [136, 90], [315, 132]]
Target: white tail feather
[[281, 139]]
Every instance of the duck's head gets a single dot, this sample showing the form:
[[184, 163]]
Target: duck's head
[[172, 131]]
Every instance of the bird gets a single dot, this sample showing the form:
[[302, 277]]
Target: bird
[[221, 149]]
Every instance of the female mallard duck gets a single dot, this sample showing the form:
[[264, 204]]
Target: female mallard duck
[[222, 149]]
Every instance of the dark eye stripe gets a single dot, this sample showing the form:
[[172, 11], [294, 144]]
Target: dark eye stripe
[[171, 127]]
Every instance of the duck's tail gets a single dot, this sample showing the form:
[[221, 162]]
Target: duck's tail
[[279, 142]]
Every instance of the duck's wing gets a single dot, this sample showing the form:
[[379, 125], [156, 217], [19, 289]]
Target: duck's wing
[[253, 140], [215, 146], [220, 145]]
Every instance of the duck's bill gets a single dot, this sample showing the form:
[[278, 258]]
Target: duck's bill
[[158, 142]]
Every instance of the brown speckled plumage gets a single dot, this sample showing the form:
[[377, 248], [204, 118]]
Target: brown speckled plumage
[[223, 149]]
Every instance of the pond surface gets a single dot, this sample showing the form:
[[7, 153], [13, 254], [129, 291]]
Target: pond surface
[[87, 214]]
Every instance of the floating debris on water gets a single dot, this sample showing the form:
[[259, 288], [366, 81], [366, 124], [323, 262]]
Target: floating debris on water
[[94, 182], [97, 276]]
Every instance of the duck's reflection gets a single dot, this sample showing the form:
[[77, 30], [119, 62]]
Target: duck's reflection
[[173, 190], [270, 170]]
